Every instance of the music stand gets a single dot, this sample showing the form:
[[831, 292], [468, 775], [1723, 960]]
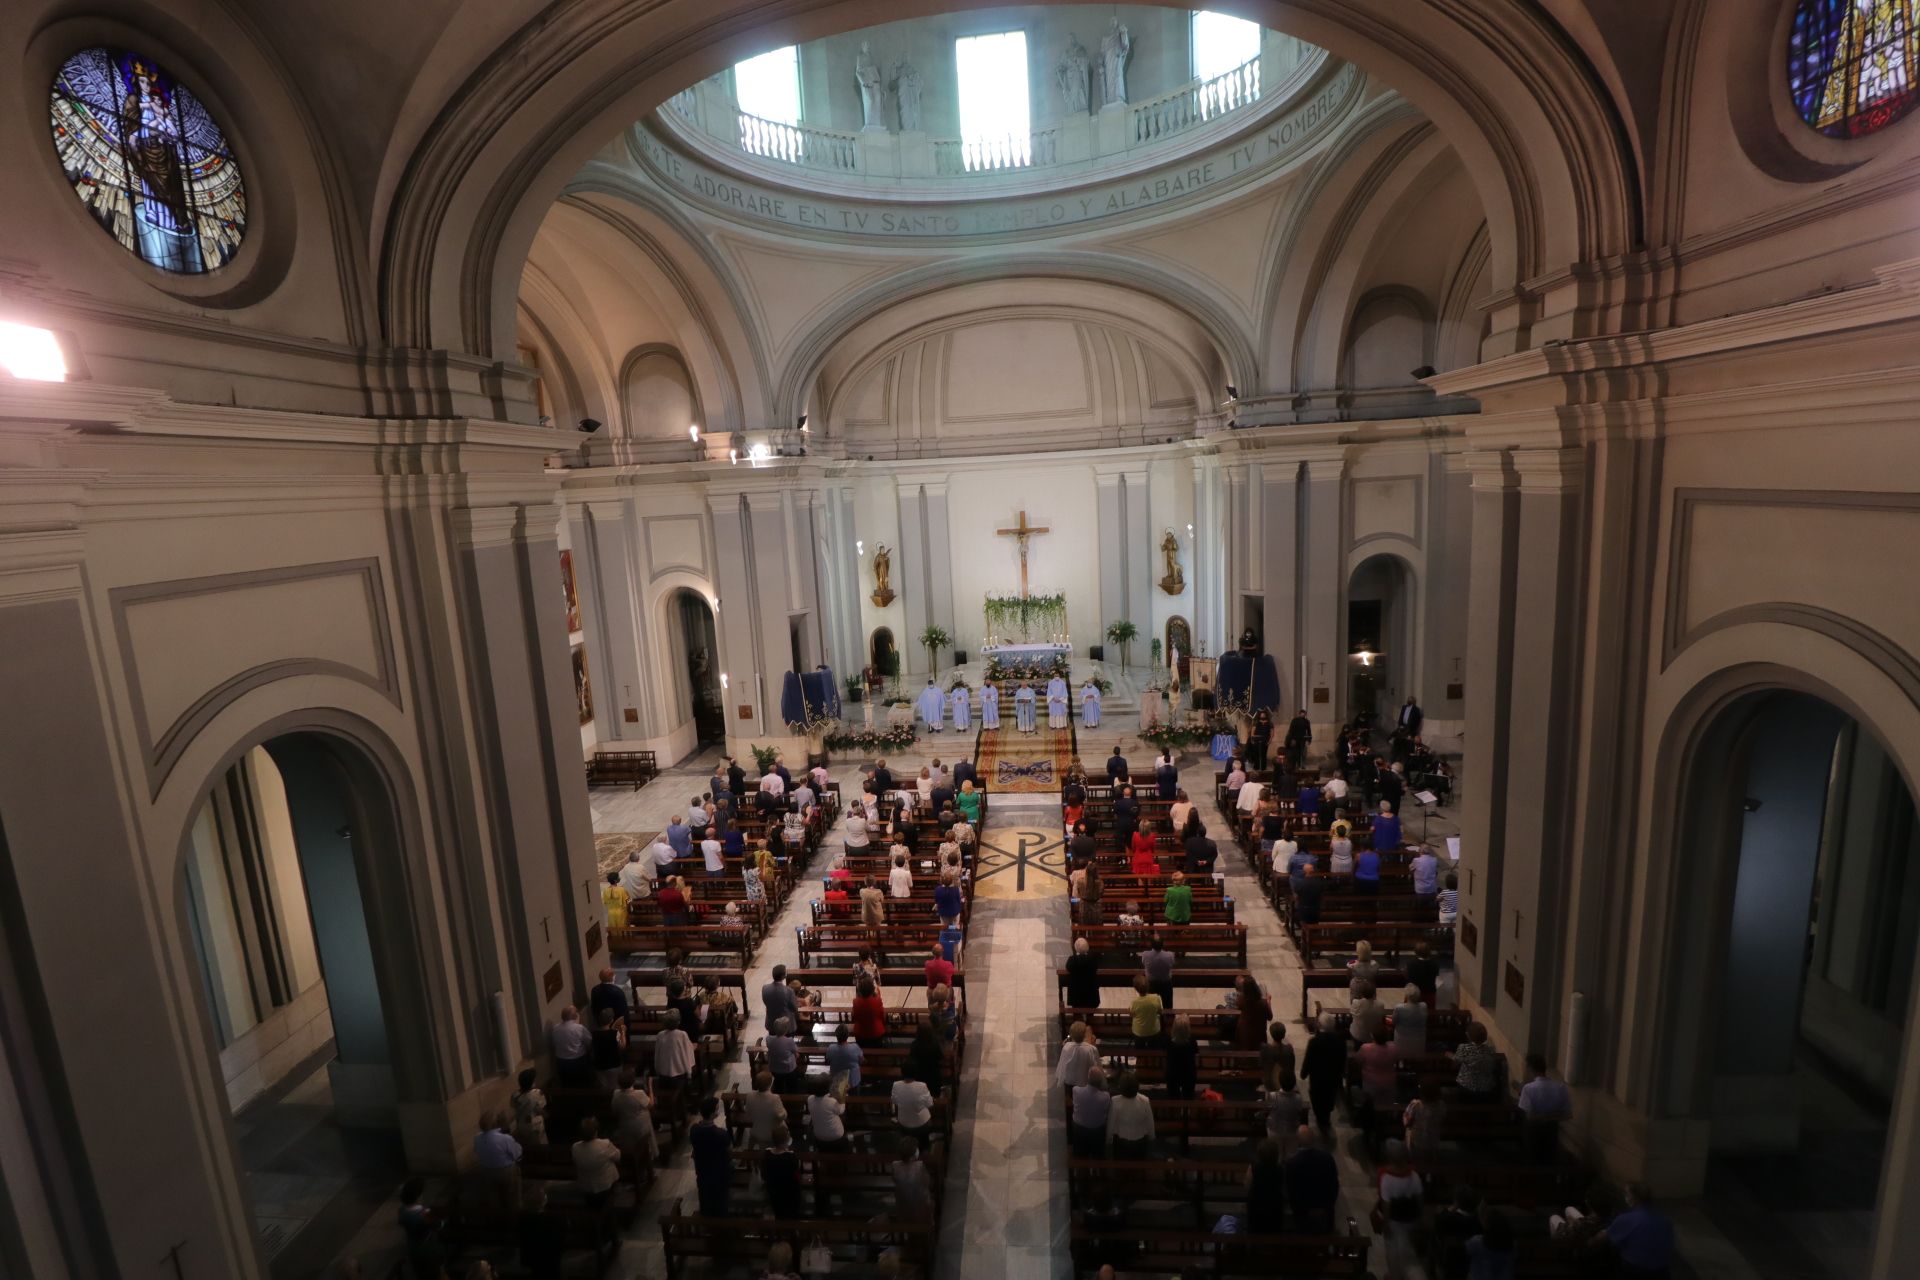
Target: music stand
[[1427, 801]]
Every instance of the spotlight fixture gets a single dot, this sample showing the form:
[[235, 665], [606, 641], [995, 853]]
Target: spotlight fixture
[[1424, 371], [31, 353], [589, 425]]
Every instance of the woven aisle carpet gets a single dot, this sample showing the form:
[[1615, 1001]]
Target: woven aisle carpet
[[610, 848], [1016, 762]]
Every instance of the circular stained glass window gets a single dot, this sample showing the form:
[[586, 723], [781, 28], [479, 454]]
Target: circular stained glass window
[[1851, 64], [148, 161]]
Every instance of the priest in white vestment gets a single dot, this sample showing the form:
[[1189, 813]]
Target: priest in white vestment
[[989, 705], [932, 706], [960, 702], [1057, 704], [1024, 718], [1090, 705]]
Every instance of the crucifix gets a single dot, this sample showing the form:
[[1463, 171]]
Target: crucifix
[[1023, 531]]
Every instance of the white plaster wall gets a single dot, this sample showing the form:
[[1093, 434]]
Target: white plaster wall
[[1060, 496], [1170, 496]]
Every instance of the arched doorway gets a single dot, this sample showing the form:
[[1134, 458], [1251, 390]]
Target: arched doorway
[[1179, 640], [1798, 879], [294, 899], [696, 664], [1379, 641], [882, 653]]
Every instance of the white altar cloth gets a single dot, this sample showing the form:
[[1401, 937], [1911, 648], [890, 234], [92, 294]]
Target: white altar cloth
[[1035, 649]]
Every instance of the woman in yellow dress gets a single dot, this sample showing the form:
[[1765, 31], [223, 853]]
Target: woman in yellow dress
[[614, 899]]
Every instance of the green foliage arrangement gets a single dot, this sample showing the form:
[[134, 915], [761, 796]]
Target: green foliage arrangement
[[1122, 633], [764, 756], [933, 640], [1026, 619]]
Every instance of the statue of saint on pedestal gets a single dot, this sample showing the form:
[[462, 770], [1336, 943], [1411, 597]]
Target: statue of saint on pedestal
[[1114, 48], [1070, 73], [873, 94], [906, 92], [882, 570], [1174, 581]]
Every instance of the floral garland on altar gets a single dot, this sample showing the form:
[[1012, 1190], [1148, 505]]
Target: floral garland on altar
[[1027, 668], [894, 738], [1026, 619]]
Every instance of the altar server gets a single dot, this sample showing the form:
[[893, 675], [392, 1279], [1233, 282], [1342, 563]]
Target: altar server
[[960, 702], [1057, 704], [932, 707], [1090, 705], [989, 705], [1024, 718]]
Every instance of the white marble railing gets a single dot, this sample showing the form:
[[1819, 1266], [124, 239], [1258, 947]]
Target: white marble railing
[[708, 109], [799, 144], [1195, 103]]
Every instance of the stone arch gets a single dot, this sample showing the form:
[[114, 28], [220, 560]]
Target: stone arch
[[345, 772], [659, 398], [1384, 565], [1695, 858], [1512, 94], [1390, 333], [1102, 288]]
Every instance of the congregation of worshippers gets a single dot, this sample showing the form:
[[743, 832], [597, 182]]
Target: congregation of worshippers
[[818, 1108]]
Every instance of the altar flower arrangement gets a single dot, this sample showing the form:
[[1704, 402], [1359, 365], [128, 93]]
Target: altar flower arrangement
[[1026, 619], [895, 738]]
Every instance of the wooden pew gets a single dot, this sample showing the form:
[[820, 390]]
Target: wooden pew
[[654, 978], [1339, 979], [613, 768], [1337, 1257], [728, 944], [1228, 942], [1389, 940], [745, 1241]]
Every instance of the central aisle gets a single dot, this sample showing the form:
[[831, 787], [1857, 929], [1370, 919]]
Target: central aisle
[[1007, 1215]]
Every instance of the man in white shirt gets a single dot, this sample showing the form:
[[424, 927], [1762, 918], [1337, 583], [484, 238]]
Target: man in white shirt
[[663, 857], [772, 784], [1426, 873], [638, 875], [710, 853], [1334, 788], [572, 1048]]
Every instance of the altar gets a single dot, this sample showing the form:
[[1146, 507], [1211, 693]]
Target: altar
[[1021, 650]]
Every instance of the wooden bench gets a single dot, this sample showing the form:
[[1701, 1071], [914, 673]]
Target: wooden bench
[[1159, 1253], [611, 768], [730, 944], [1340, 979], [1225, 941], [1389, 940], [855, 1245]]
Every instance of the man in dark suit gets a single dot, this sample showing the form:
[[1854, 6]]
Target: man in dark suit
[[1299, 734], [963, 772], [608, 994], [736, 778], [1202, 852], [1126, 815], [882, 779], [1117, 766], [1411, 716]]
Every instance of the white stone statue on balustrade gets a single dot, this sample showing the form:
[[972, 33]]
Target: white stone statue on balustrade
[[1070, 73], [1114, 49], [906, 92], [873, 93]]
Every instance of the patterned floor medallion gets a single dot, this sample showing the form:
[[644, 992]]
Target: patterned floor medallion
[[1021, 862]]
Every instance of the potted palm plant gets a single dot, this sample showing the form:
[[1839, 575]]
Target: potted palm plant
[[934, 638], [1123, 634]]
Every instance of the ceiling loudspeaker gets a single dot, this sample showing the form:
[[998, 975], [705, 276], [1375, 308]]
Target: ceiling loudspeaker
[[589, 425]]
